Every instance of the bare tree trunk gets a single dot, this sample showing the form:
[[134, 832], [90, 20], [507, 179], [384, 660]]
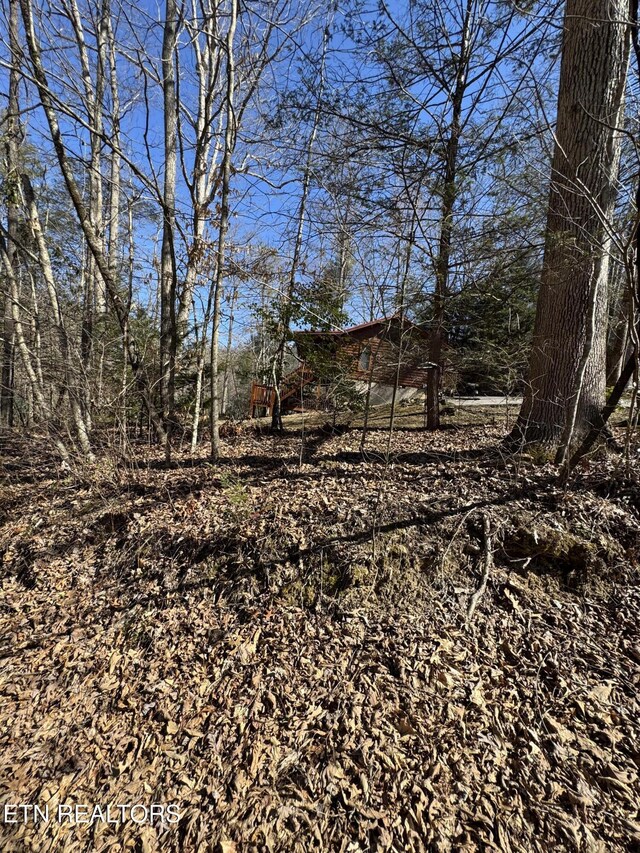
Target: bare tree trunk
[[203, 28], [582, 197], [84, 219], [82, 428], [229, 143], [344, 250], [632, 365], [574, 405], [288, 295], [87, 324], [36, 338], [401, 313], [7, 391], [449, 198], [167, 255], [113, 214], [13, 140], [94, 289], [130, 273], [372, 364], [195, 423], [93, 98], [44, 411], [200, 348], [227, 363], [96, 197], [618, 342]]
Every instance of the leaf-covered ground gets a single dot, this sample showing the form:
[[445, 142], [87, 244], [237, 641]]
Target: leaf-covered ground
[[280, 644]]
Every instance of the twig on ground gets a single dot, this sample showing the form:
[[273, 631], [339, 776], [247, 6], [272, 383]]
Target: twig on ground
[[488, 564]]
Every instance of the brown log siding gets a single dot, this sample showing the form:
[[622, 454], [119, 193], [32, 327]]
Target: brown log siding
[[384, 361]]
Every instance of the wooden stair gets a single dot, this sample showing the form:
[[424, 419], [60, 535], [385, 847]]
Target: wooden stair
[[264, 396]]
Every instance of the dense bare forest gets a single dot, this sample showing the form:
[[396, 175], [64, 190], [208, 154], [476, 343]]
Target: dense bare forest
[[319, 364]]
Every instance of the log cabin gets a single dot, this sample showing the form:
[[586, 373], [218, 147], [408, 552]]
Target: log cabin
[[368, 356]]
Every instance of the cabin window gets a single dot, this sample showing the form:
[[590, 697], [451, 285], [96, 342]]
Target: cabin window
[[364, 362]]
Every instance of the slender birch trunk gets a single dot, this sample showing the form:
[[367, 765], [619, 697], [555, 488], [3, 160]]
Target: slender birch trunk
[[94, 290], [229, 143], [70, 384], [84, 219], [113, 211], [41, 407], [201, 345], [227, 363], [13, 140], [205, 37]]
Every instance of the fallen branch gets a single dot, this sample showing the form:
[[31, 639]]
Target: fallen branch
[[488, 564]]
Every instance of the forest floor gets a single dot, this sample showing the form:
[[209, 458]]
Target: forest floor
[[309, 648]]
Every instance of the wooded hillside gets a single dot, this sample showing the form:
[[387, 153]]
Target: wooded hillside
[[319, 370]]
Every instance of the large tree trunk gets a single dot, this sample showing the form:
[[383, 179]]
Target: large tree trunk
[[565, 366]]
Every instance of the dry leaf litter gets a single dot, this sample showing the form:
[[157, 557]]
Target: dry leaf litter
[[279, 643]]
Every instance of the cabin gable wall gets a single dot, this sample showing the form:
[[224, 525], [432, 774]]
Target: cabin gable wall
[[375, 358]]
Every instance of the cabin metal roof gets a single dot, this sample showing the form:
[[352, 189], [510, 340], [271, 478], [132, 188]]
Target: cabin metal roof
[[362, 327]]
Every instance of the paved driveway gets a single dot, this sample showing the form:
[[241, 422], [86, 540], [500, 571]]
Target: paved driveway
[[484, 401], [503, 401]]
